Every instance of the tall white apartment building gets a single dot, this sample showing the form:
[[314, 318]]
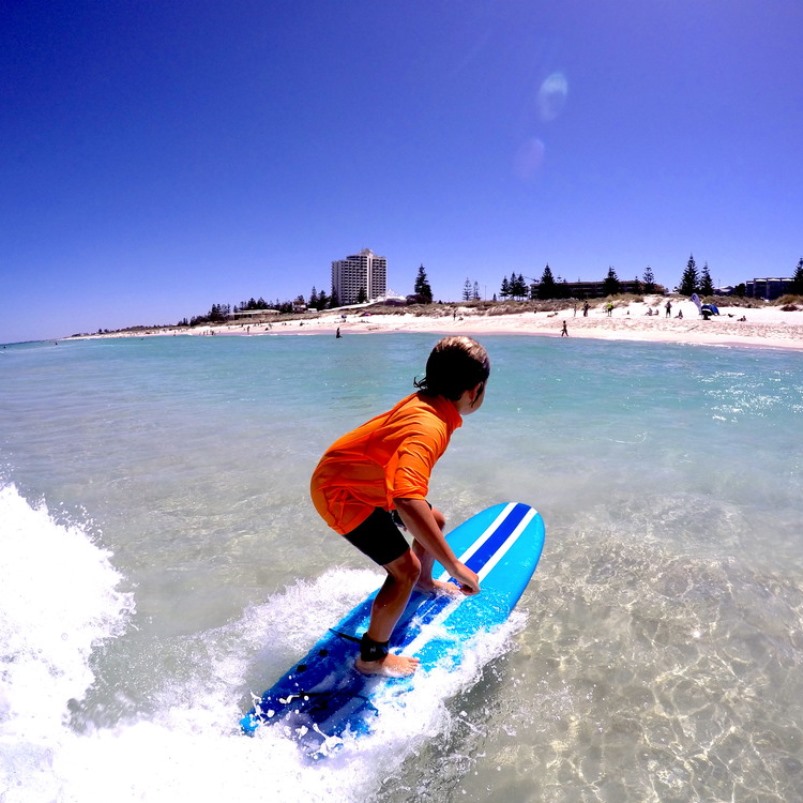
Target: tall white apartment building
[[364, 271]]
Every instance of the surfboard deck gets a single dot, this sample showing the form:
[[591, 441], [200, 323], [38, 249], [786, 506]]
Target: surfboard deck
[[322, 697]]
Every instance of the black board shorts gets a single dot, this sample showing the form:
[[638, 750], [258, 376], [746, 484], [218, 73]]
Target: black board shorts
[[379, 538]]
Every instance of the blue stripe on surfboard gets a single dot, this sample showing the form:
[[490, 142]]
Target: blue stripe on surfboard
[[475, 545], [484, 547], [500, 553], [499, 536]]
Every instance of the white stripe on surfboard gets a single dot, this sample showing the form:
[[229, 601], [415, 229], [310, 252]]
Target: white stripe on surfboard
[[489, 531], [422, 637], [418, 642]]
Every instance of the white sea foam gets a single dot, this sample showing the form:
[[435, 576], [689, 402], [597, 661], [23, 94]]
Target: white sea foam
[[59, 598]]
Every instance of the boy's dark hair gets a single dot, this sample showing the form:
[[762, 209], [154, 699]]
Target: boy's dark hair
[[455, 365]]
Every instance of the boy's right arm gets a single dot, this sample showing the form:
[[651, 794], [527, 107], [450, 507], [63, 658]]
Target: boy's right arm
[[417, 517]]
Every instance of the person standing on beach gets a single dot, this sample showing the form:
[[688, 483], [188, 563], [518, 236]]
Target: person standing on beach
[[383, 468], [564, 332]]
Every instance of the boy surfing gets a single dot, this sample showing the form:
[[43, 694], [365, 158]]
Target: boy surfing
[[383, 468]]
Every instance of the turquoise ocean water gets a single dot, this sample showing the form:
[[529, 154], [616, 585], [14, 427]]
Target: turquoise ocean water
[[160, 560]]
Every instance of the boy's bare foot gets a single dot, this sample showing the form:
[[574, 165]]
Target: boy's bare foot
[[437, 587], [391, 666]]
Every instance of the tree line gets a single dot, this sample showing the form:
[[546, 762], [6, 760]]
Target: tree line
[[548, 287], [694, 281], [318, 300]]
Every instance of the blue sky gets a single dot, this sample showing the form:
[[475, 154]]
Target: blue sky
[[159, 157]]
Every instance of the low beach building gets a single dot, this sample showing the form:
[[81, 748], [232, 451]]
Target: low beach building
[[768, 288]]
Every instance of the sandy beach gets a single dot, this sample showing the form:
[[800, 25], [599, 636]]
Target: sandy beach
[[764, 326]]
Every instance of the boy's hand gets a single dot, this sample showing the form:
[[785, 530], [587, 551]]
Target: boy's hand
[[426, 530], [467, 579]]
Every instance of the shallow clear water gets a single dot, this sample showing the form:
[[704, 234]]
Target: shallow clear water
[[161, 560]]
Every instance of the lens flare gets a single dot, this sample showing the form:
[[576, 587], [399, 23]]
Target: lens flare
[[529, 158], [552, 96]]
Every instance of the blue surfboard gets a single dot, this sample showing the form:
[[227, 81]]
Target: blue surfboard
[[323, 696]]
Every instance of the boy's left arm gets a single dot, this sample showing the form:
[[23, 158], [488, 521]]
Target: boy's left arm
[[419, 520]]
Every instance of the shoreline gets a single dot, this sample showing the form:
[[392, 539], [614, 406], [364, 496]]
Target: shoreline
[[752, 327]]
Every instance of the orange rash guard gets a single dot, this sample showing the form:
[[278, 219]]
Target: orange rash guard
[[389, 457]]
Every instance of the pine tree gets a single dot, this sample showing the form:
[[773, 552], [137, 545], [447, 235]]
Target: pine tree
[[649, 280], [421, 287], [706, 285], [690, 280], [476, 293], [504, 290], [797, 279], [546, 289], [467, 290], [322, 301], [517, 286], [513, 284], [611, 285]]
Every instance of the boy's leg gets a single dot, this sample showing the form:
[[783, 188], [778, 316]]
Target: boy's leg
[[379, 539], [386, 611]]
